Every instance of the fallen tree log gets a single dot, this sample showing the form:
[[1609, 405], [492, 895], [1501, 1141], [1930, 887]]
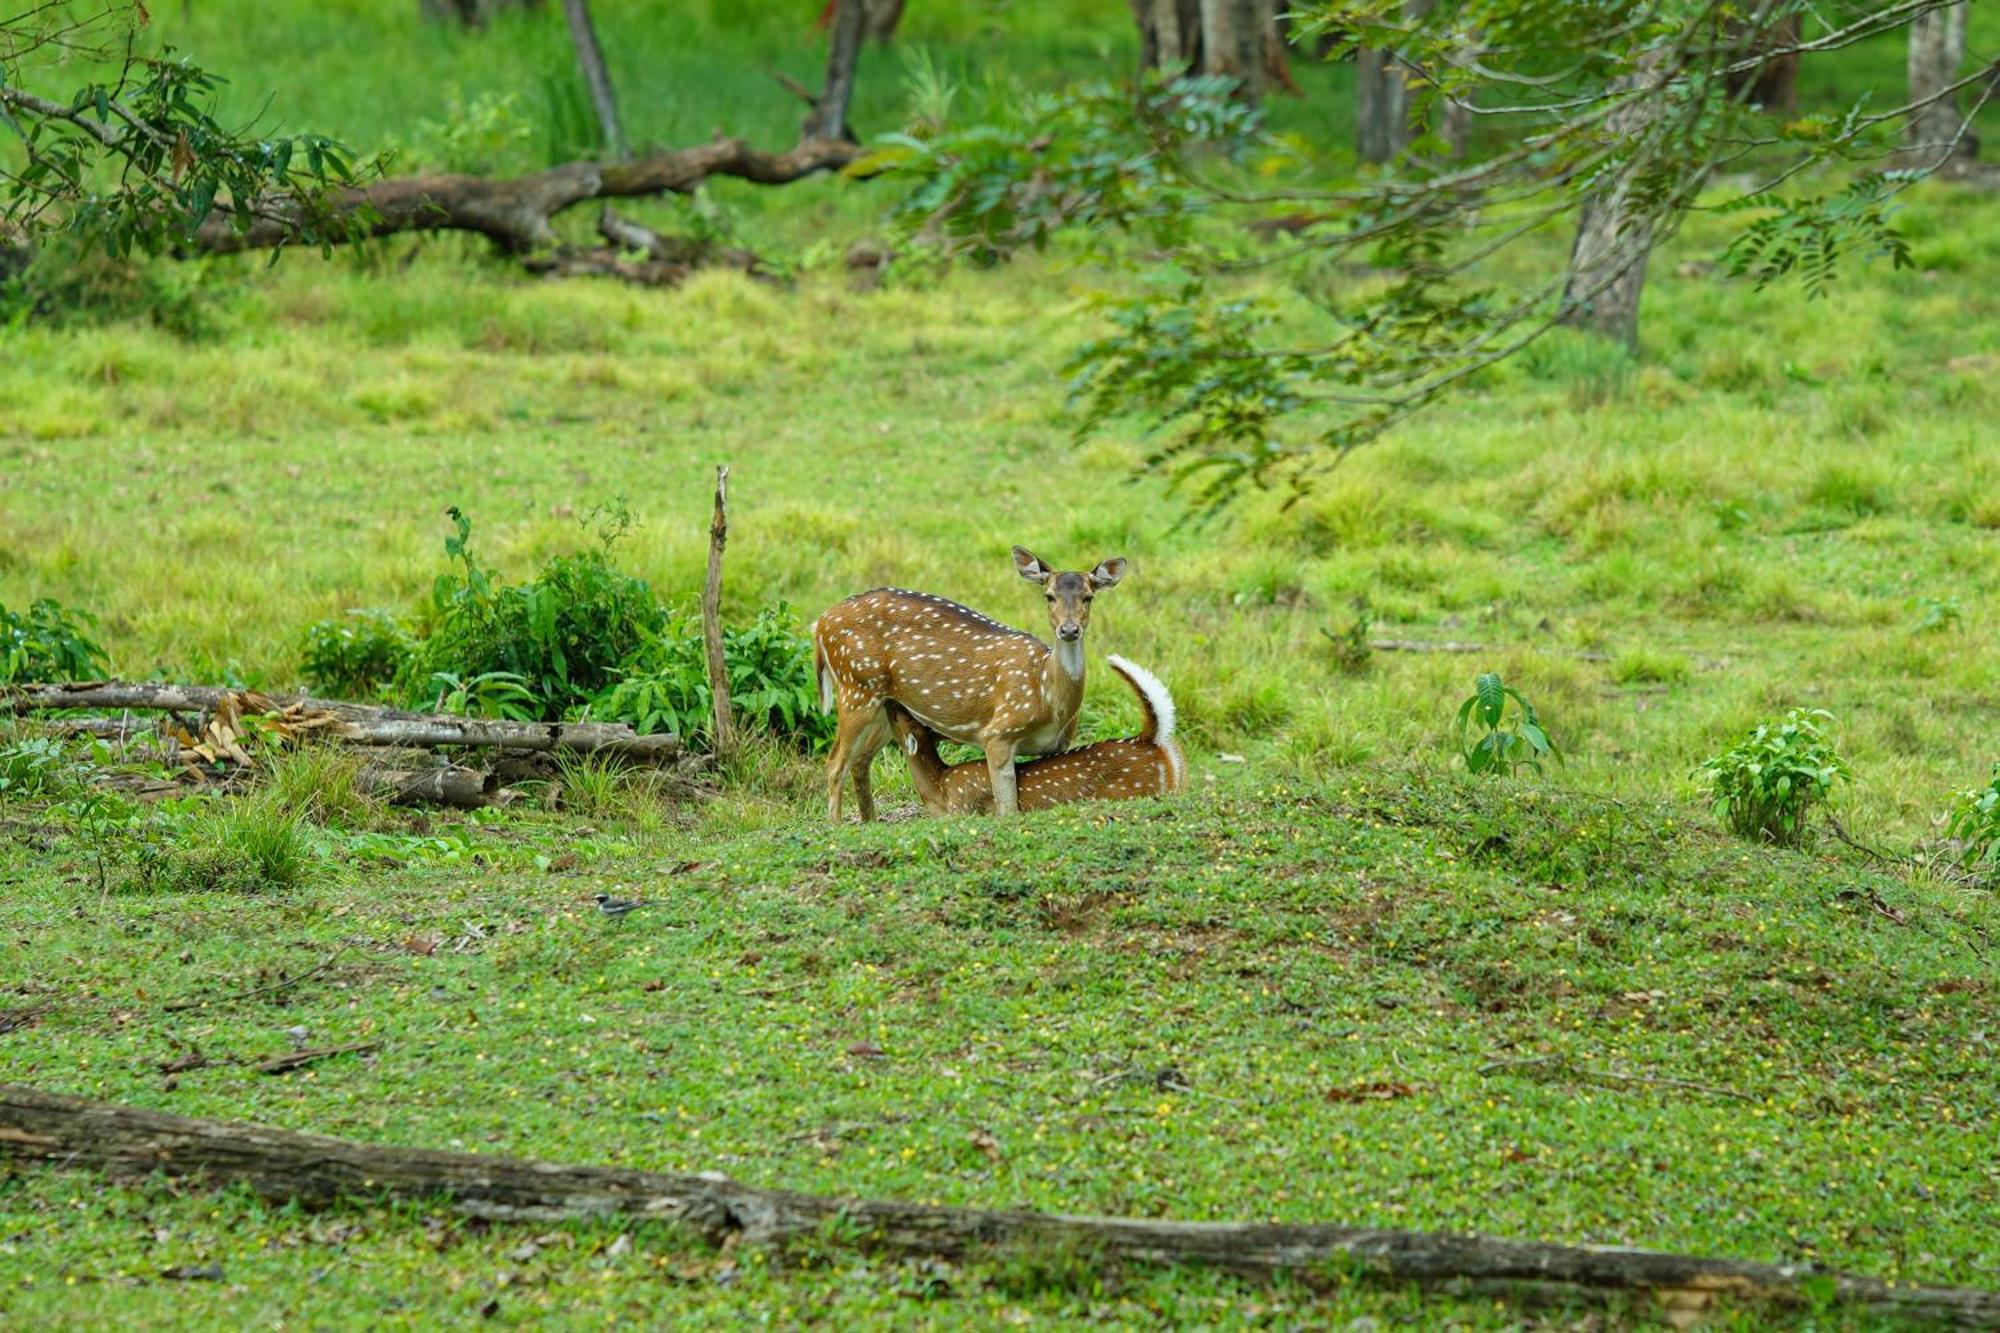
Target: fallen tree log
[[355, 724], [458, 787], [279, 1164], [516, 213]]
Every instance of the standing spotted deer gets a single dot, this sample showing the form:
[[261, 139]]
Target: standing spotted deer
[[1148, 764], [968, 678]]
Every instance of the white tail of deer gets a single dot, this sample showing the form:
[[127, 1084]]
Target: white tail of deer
[[964, 676], [1148, 764]]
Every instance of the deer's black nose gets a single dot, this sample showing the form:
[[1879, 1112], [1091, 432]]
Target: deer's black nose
[[1070, 632]]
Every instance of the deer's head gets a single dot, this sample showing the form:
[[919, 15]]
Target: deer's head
[[1068, 593]]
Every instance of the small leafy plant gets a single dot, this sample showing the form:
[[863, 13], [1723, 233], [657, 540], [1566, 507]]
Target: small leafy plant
[[1938, 614], [1513, 741], [48, 642], [771, 686], [1975, 821], [355, 655], [560, 638], [494, 694], [38, 766], [1352, 649], [1767, 783]]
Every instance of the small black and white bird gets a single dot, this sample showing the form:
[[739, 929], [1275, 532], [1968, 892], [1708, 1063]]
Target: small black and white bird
[[617, 907]]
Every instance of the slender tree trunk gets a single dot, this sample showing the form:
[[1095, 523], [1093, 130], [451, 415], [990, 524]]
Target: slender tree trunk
[[590, 59], [711, 619], [1381, 106], [1242, 39], [469, 13], [1384, 121], [829, 115], [1607, 263], [1937, 49]]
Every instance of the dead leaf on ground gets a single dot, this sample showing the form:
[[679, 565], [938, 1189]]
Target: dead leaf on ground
[[425, 945], [567, 861], [867, 1050], [986, 1143], [1387, 1090]]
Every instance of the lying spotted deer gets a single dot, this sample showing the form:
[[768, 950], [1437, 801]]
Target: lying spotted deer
[[1148, 764], [968, 678]]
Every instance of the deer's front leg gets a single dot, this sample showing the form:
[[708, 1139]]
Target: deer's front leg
[[1000, 768]]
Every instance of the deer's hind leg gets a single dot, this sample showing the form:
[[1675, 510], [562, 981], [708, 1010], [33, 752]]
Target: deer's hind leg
[[863, 729], [866, 746]]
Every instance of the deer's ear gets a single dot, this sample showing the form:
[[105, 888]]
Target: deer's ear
[[1108, 572], [910, 744], [1029, 566]]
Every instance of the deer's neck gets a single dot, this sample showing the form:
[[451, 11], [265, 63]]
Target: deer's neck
[[1062, 678]]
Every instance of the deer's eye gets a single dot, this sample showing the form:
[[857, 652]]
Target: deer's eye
[[1086, 601], [1051, 596]]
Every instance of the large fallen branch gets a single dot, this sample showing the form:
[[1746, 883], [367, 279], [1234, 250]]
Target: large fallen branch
[[352, 723], [516, 212], [279, 1164]]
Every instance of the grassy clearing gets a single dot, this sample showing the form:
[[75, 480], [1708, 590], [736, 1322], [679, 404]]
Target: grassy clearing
[[1149, 1009], [1159, 1023]]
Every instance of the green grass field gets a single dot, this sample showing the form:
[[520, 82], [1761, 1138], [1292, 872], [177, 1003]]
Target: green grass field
[[1603, 1018]]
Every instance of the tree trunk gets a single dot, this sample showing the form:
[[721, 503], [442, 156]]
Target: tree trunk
[[880, 21], [1937, 132], [590, 59], [1381, 106], [469, 13], [1607, 262], [1384, 120], [277, 1164], [1773, 84], [828, 119], [1239, 39]]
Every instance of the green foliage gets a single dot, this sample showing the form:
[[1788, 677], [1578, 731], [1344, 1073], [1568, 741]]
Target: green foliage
[[137, 163], [531, 649], [1767, 783], [1512, 741], [355, 655], [66, 281], [1975, 821], [1406, 283], [771, 686], [38, 766], [481, 135], [49, 642], [1809, 236], [1097, 158], [1939, 614], [495, 694]]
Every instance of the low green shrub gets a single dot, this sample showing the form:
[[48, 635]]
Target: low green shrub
[[562, 636], [354, 656], [48, 642], [1767, 783], [39, 767], [1974, 820], [771, 685]]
